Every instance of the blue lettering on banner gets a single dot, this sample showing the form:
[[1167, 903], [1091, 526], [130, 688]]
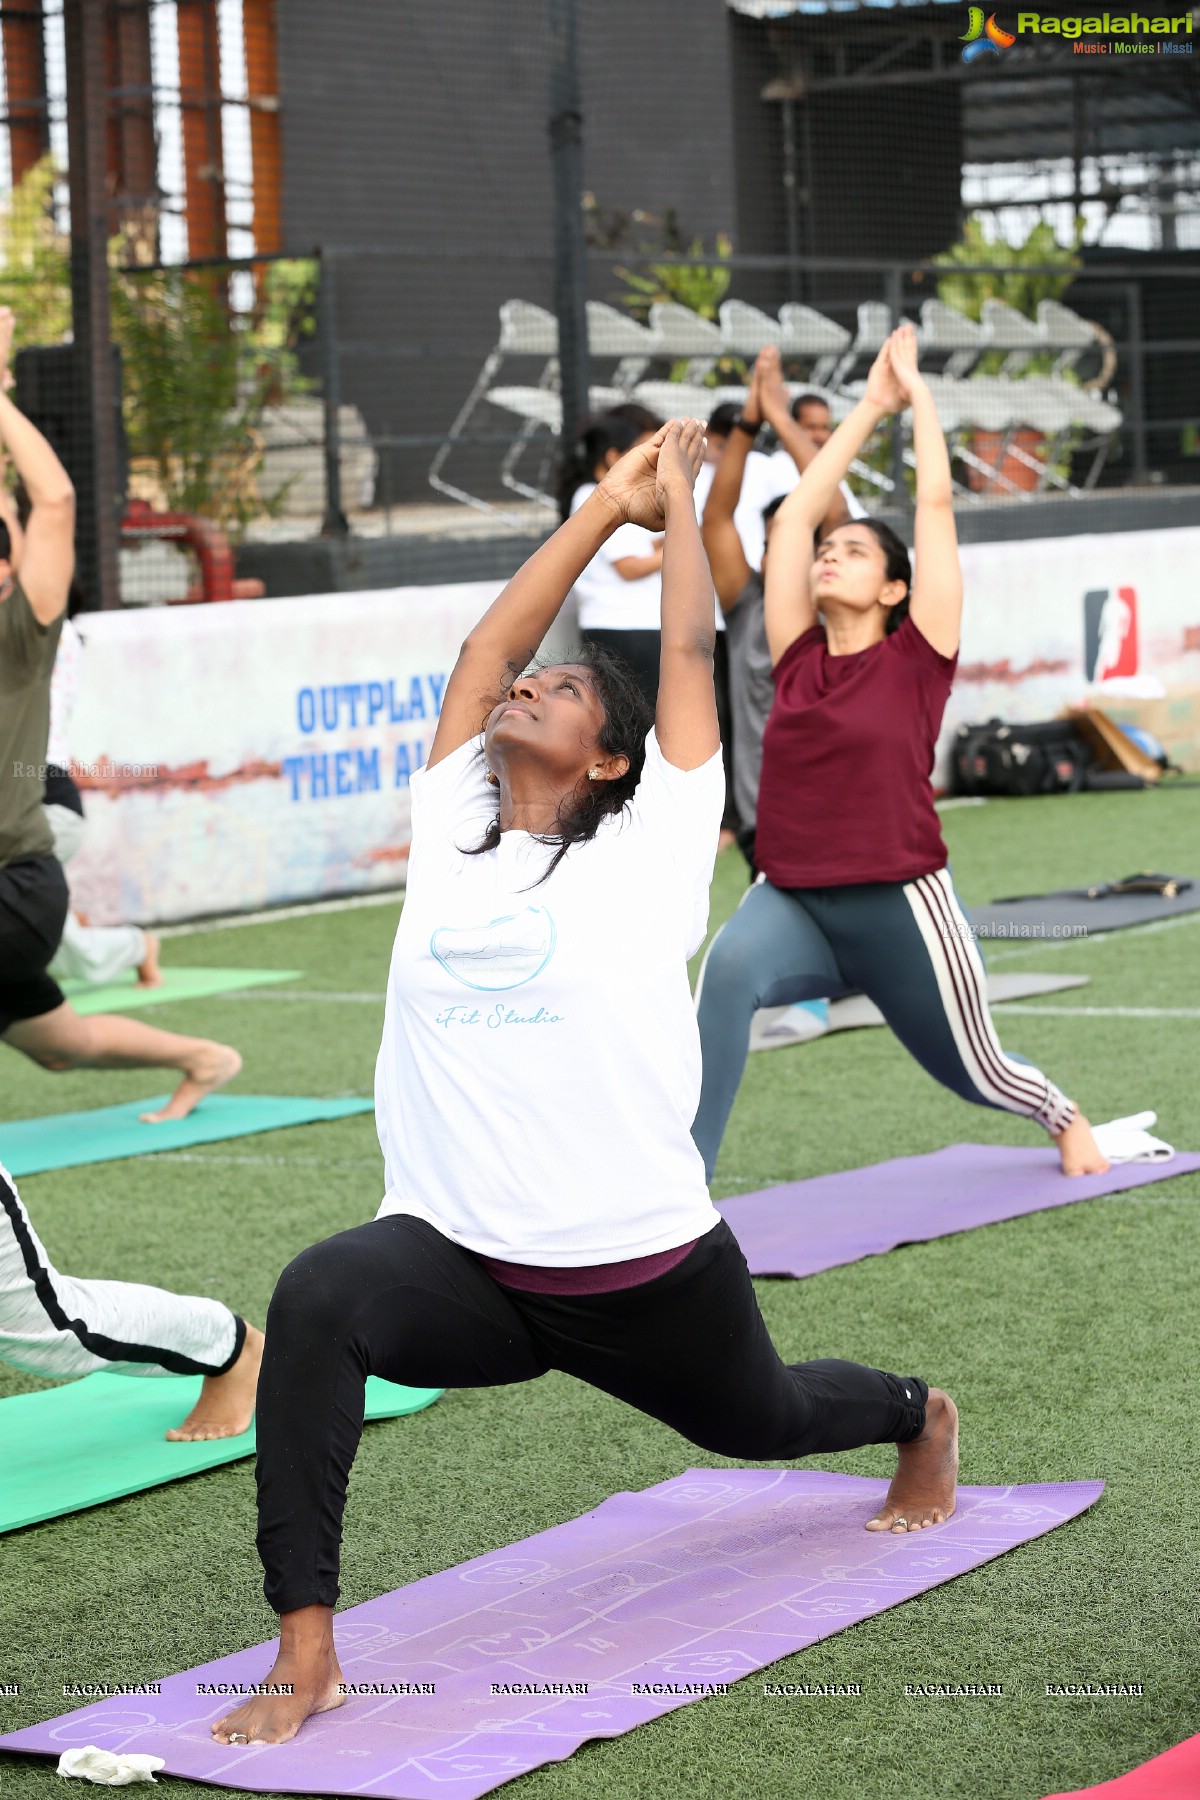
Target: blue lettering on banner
[[409, 758], [355, 706], [349, 704], [321, 774]]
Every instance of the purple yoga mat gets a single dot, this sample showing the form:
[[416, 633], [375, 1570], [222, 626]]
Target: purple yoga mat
[[688, 1585], [803, 1227]]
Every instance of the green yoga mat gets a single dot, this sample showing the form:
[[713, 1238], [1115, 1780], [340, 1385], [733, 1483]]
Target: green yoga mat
[[68, 1140], [67, 1448], [177, 984]]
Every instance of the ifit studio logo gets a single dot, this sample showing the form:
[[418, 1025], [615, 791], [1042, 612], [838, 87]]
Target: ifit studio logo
[[983, 37], [1110, 633]]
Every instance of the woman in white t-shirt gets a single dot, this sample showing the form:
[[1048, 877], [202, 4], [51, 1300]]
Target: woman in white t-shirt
[[618, 597], [539, 1072]]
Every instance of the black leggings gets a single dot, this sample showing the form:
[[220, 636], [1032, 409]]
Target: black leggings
[[395, 1298]]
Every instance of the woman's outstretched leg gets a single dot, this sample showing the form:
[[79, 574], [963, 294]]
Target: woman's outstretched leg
[[912, 950], [769, 953], [691, 1349], [391, 1298]]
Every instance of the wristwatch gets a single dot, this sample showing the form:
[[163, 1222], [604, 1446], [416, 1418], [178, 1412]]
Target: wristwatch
[[748, 426]]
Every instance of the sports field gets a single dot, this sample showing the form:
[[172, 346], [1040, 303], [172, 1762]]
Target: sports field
[[1067, 1338]]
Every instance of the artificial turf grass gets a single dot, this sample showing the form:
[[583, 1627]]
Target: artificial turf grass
[[1059, 1334]]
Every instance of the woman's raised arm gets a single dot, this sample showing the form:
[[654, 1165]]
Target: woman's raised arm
[[685, 719], [506, 639], [788, 607], [936, 605]]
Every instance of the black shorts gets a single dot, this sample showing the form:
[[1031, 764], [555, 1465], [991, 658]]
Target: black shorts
[[33, 911]]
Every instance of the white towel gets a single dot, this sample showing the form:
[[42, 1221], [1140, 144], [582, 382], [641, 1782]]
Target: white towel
[[1128, 1140], [108, 1769]]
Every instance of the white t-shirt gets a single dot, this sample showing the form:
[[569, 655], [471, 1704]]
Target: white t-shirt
[[540, 1065], [760, 485], [605, 600]]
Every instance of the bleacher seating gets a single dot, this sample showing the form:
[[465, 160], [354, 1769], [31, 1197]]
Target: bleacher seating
[[981, 411]]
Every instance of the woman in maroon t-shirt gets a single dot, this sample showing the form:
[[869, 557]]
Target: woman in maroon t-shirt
[[854, 892]]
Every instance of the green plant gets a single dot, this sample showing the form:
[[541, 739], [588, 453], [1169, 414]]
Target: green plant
[[700, 286], [197, 380], [35, 259], [1011, 279], [197, 376]]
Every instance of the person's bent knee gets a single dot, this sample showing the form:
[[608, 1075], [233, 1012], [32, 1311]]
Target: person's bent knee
[[315, 1286]]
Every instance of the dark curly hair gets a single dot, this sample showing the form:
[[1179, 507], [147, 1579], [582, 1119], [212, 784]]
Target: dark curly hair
[[627, 721]]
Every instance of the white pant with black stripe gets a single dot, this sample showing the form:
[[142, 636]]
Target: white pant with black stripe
[[907, 945], [52, 1324]]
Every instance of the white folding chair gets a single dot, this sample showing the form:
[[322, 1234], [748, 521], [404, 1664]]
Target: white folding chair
[[874, 329], [986, 404], [1100, 419], [806, 332], [683, 333], [526, 330], [1065, 332], [946, 331], [677, 399], [1008, 330], [745, 330], [615, 334], [538, 408]]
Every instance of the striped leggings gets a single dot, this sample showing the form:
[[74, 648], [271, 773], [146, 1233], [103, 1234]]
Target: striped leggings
[[55, 1325], [907, 946]]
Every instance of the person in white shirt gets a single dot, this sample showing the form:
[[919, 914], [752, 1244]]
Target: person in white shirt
[[546, 1207], [618, 596], [97, 954], [62, 1326], [811, 412]]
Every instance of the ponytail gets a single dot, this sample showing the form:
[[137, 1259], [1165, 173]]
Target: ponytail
[[577, 462]]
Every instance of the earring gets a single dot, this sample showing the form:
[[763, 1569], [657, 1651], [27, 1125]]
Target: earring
[[492, 780], [593, 774]]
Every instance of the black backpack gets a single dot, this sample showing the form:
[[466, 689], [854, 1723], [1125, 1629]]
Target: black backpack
[[1018, 760]]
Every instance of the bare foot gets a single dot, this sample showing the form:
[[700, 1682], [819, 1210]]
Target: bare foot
[[211, 1067], [1080, 1153], [148, 972], [923, 1487], [306, 1679], [226, 1404]]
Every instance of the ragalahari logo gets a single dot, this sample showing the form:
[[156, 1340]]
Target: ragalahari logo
[[1110, 633], [983, 37]]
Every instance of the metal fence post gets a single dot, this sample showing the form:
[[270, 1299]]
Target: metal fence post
[[96, 476], [570, 249], [1137, 383], [335, 523], [894, 294]]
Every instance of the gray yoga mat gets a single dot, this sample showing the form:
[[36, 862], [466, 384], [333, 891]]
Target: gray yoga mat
[[777, 1026], [1069, 913]]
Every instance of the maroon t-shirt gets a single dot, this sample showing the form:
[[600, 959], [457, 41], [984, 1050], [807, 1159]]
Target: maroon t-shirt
[[845, 794]]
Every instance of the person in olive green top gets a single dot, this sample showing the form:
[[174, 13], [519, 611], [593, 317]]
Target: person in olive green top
[[35, 1018]]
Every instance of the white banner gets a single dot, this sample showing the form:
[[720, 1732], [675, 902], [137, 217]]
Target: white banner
[[249, 754], [1047, 620]]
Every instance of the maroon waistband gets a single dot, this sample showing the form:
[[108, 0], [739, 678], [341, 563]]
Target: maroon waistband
[[599, 1278]]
